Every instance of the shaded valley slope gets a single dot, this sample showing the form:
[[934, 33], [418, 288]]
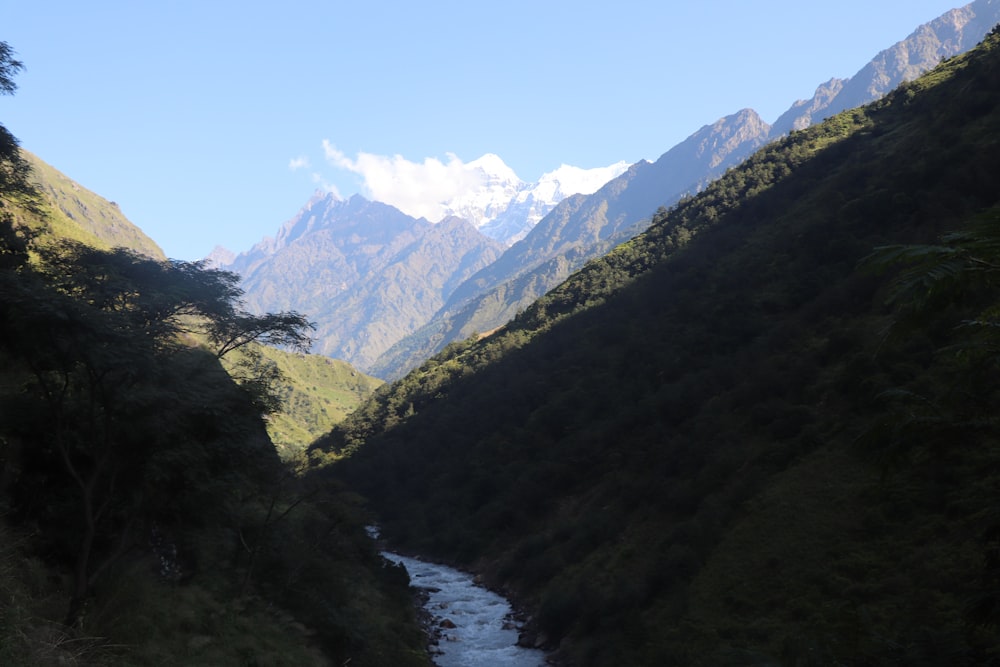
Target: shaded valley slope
[[717, 445]]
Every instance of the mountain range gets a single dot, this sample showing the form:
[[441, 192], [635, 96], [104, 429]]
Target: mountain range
[[761, 428], [317, 391], [550, 231], [763, 431]]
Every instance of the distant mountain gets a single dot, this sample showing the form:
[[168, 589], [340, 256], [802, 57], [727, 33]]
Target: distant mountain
[[496, 201], [74, 212], [220, 257], [578, 229], [576, 232], [553, 231], [952, 33], [365, 272], [531, 202]]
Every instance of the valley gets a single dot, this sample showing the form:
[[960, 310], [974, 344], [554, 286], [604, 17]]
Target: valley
[[734, 406]]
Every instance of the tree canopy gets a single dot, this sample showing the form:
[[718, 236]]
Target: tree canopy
[[116, 389]]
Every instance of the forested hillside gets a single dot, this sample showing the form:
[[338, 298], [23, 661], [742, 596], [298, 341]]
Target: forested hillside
[[145, 516], [734, 439], [312, 393]]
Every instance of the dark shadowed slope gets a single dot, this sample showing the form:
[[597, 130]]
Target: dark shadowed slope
[[684, 454]]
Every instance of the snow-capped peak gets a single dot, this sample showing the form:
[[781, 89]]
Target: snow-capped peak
[[504, 207], [492, 165], [485, 192], [490, 188]]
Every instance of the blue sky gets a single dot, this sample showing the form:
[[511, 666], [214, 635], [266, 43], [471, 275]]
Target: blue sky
[[206, 120]]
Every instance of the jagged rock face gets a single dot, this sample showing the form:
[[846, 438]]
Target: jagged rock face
[[549, 230], [952, 33], [364, 272]]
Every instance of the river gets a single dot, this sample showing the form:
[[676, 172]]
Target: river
[[484, 631]]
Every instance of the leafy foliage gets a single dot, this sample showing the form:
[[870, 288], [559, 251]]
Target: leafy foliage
[[127, 441], [98, 337], [136, 477], [14, 169]]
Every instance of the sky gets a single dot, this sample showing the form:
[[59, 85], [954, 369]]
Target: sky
[[212, 122]]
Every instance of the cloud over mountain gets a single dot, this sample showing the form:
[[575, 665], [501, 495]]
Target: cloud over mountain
[[485, 191], [419, 189]]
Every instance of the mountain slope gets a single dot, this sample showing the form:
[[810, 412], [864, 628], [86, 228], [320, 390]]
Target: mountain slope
[[365, 272], [316, 392], [578, 229], [486, 302], [662, 456], [77, 213], [954, 32]]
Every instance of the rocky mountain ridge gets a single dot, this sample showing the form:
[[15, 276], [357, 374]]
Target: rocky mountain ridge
[[581, 227], [531, 267], [363, 271]]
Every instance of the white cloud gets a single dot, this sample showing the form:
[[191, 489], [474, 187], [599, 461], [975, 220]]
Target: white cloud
[[300, 162], [576, 180], [418, 189]]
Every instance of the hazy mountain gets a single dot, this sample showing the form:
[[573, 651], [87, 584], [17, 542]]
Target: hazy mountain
[[954, 32], [365, 272], [718, 444], [533, 201], [579, 228], [220, 257], [555, 232], [539, 262]]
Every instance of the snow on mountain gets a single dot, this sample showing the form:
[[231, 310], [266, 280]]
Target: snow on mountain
[[505, 208], [497, 185], [533, 202]]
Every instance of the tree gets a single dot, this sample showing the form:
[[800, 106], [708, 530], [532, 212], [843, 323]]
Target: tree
[[948, 290], [936, 284], [120, 404], [14, 169], [8, 68]]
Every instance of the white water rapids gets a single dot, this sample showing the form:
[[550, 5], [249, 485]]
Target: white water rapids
[[484, 634]]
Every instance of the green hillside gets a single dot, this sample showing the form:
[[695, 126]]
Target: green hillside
[[719, 444], [316, 392], [71, 211]]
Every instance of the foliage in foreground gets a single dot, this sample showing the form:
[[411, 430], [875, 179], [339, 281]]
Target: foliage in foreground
[[152, 481], [145, 517]]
